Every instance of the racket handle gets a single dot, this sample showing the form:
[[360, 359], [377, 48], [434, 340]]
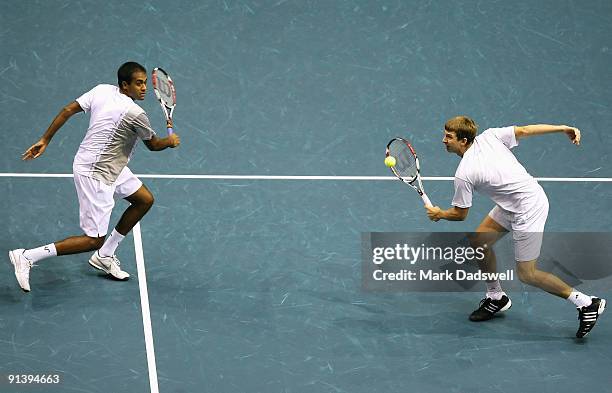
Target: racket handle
[[170, 131], [426, 200]]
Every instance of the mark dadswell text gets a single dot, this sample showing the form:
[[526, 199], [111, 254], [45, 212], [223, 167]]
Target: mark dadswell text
[[447, 275]]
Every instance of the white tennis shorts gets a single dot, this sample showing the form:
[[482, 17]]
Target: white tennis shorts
[[527, 228], [96, 200]]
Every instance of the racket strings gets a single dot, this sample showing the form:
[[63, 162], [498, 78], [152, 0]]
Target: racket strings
[[405, 164], [164, 88]]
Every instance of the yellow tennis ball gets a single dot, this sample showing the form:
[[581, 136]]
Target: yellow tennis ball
[[390, 161]]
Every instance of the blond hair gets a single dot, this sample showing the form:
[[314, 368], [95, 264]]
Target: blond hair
[[463, 127]]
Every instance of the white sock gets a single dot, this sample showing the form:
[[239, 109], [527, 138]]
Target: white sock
[[494, 290], [579, 299], [495, 295], [494, 286], [110, 245], [40, 253]]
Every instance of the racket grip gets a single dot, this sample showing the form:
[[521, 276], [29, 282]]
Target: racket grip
[[426, 200], [170, 131]]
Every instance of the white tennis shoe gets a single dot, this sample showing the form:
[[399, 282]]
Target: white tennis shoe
[[110, 265], [22, 268]]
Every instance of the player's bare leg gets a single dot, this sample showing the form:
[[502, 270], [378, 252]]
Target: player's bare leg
[[487, 234], [78, 244], [23, 260], [529, 274], [105, 259], [589, 307], [140, 203]]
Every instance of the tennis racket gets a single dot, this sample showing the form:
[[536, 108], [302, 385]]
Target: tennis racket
[[406, 166], [165, 93]]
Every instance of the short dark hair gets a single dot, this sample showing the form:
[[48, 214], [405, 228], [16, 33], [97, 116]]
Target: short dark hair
[[125, 72], [463, 127]]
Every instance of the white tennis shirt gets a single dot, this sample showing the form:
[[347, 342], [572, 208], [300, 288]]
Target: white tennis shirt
[[115, 125], [489, 168]]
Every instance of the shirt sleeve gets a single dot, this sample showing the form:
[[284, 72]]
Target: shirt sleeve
[[86, 100], [463, 193], [506, 136], [142, 127]]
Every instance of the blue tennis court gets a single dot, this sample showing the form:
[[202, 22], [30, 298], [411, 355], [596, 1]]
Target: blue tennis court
[[253, 247]]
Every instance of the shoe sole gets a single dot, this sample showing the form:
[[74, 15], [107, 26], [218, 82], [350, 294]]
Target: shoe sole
[[602, 307], [107, 271], [13, 262]]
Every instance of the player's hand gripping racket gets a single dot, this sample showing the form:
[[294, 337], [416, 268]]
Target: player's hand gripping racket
[[406, 166], [165, 93]]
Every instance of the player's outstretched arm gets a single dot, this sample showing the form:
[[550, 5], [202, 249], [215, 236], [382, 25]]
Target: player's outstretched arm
[[39, 147], [539, 129]]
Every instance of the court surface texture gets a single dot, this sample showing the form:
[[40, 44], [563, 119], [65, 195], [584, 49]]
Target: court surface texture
[[252, 251]]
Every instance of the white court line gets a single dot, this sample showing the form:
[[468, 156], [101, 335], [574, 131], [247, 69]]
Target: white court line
[[273, 177], [144, 305]]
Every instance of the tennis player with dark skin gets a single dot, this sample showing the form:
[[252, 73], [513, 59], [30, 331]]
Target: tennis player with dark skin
[[116, 125], [488, 166]]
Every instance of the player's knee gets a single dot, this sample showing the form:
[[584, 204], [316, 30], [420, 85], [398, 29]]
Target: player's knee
[[145, 201], [148, 201], [482, 240], [526, 275]]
